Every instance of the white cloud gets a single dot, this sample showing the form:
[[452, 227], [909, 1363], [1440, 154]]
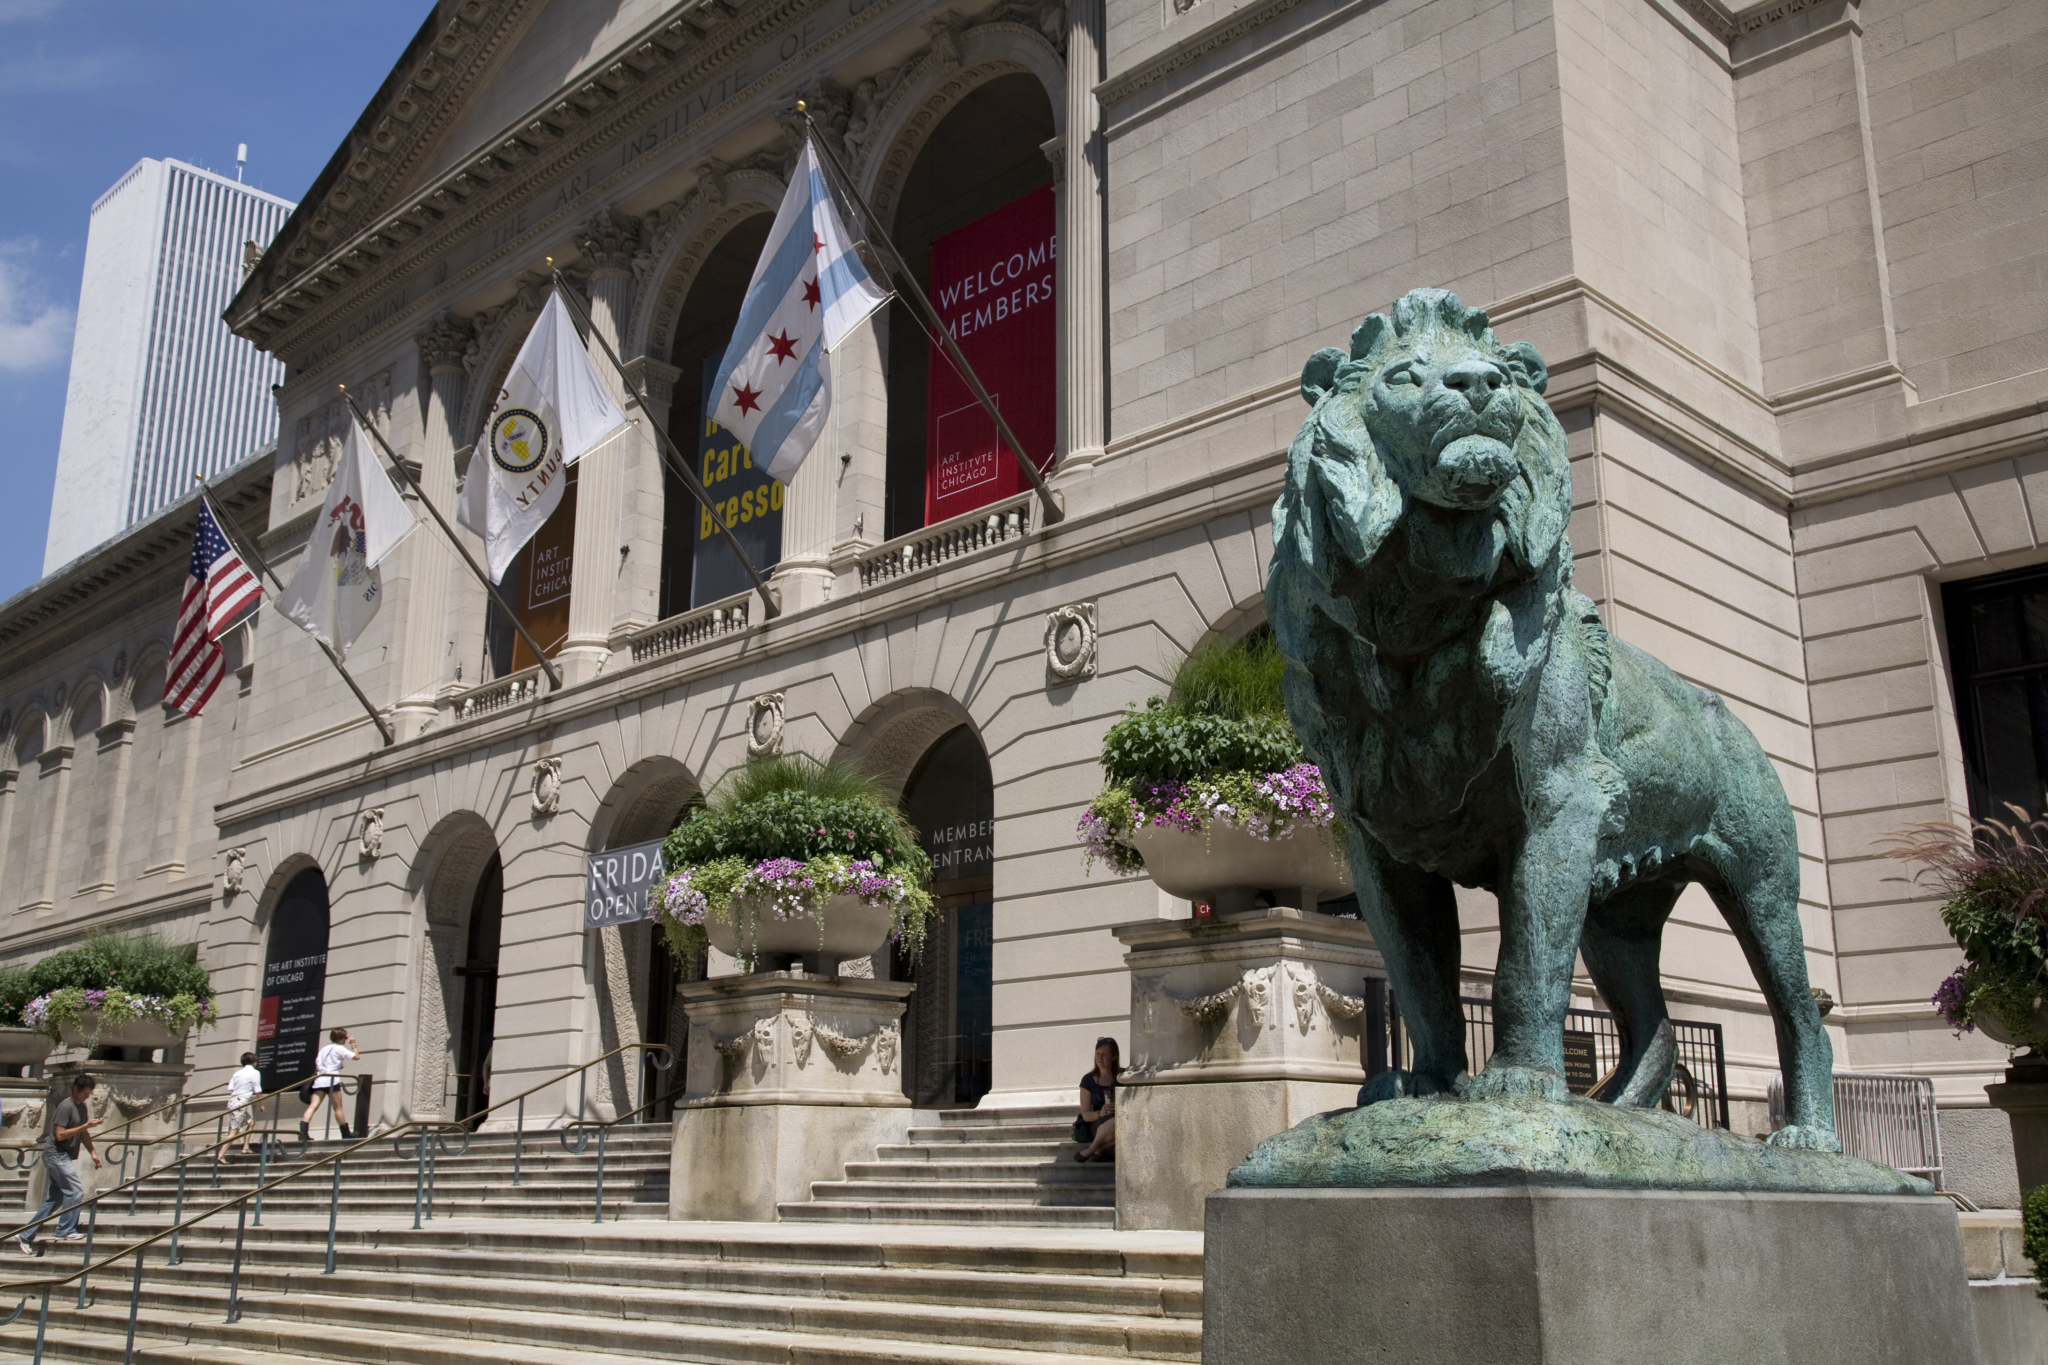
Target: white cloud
[[33, 332]]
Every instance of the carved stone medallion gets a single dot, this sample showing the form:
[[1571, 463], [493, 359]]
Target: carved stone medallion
[[371, 841], [764, 725], [1070, 642], [237, 867], [547, 786]]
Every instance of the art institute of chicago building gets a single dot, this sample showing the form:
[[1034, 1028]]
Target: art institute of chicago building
[[1788, 265]]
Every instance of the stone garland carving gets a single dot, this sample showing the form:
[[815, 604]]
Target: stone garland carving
[[547, 786], [1255, 984], [237, 868], [764, 725], [1070, 639], [371, 841], [1309, 991], [841, 1046], [317, 438]]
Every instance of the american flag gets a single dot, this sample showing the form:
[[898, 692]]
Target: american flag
[[219, 589]]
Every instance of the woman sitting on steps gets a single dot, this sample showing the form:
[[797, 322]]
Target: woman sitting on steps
[[1097, 1125]]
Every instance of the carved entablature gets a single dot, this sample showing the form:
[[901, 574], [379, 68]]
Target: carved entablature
[[318, 435], [610, 240]]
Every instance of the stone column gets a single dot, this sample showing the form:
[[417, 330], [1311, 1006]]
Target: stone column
[[646, 512], [1079, 172], [804, 573], [1242, 1025], [119, 738], [860, 419], [428, 658], [56, 765], [790, 1076], [605, 476]]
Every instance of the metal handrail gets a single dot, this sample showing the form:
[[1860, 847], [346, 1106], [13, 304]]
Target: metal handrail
[[582, 1128], [241, 1201]]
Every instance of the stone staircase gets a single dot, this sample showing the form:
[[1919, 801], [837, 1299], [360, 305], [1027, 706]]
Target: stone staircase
[[1000, 1167], [379, 1183], [493, 1292]]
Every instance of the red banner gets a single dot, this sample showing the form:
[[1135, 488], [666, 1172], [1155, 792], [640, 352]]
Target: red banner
[[992, 283]]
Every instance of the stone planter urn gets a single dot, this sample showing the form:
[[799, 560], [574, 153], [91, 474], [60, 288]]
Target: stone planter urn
[[843, 929], [1227, 866], [23, 1047], [1991, 1028], [90, 1032]]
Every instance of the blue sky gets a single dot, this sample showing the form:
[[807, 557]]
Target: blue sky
[[90, 87]]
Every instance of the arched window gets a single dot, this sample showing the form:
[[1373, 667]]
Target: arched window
[[950, 798], [294, 982], [979, 195], [696, 564]]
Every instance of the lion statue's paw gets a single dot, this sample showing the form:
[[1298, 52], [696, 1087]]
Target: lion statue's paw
[[1402, 1085], [1513, 1083], [1805, 1139]]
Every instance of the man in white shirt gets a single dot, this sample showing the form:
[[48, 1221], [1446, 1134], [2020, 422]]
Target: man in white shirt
[[243, 1088], [339, 1052]]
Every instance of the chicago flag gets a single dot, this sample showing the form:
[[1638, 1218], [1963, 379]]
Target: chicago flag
[[809, 291]]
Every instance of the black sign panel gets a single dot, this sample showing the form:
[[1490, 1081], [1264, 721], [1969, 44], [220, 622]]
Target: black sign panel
[[1581, 1062], [294, 983], [951, 800], [620, 884]]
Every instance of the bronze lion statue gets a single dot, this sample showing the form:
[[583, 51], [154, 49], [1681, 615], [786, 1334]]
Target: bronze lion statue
[[1476, 724]]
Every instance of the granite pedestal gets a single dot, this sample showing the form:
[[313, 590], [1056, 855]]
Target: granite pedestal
[[1242, 1025], [1561, 1276], [789, 1077]]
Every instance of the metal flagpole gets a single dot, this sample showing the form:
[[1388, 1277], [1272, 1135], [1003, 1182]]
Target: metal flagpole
[[935, 325], [244, 546], [770, 607], [546, 664]]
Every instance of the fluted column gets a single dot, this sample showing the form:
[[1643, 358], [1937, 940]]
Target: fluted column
[[1078, 170], [116, 737], [428, 661], [56, 765], [608, 242]]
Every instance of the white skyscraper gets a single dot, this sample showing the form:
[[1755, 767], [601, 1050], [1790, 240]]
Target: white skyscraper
[[160, 388]]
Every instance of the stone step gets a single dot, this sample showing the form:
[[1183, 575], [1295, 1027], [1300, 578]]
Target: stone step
[[975, 1214], [1040, 1172], [978, 1151], [1008, 1289], [983, 1191], [1041, 1113], [481, 1306], [991, 1132]]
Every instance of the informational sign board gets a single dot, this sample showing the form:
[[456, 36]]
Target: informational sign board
[[294, 983], [539, 582], [620, 885], [748, 500], [992, 282], [1581, 1062]]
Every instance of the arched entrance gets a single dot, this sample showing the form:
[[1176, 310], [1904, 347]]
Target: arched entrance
[[634, 973], [294, 981], [477, 975], [950, 797], [983, 165], [458, 984]]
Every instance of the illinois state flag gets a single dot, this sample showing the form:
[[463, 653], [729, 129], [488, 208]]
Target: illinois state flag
[[809, 290], [552, 412], [337, 589]]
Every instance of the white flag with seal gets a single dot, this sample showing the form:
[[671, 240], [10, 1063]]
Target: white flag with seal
[[552, 412], [337, 589], [809, 290]]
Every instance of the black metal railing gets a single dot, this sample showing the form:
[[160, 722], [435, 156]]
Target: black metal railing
[[1699, 1081]]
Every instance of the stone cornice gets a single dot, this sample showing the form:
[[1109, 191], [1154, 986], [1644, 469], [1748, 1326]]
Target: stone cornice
[[628, 100]]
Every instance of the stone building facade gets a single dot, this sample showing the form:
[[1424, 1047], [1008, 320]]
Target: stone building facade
[[1787, 264]]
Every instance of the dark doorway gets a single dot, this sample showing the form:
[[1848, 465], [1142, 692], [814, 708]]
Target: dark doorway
[[479, 974], [951, 799], [294, 982]]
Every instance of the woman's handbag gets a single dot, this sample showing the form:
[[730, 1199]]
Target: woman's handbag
[[1084, 1131], [306, 1093]]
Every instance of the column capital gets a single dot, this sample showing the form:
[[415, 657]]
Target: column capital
[[655, 379], [609, 240], [445, 341]]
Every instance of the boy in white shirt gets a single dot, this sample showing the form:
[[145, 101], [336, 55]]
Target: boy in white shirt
[[243, 1088]]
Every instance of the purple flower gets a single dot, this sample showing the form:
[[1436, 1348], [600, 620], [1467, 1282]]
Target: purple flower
[[1949, 1001]]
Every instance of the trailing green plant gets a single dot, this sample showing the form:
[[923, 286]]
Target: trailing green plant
[[91, 1011], [1217, 748], [2034, 1235], [1994, 880], [15, 992], [782, 835], [142, 962]]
